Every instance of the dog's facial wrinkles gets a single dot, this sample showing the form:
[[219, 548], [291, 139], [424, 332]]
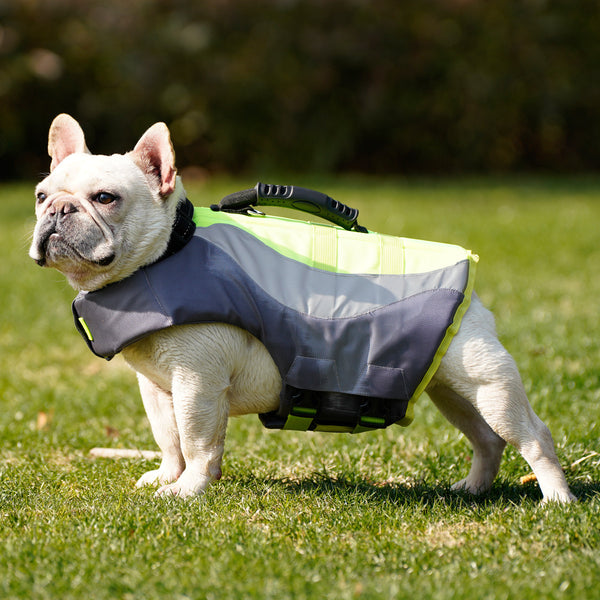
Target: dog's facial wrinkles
[[72, 228]]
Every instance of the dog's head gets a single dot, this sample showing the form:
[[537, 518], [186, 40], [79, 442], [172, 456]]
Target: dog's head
[[100, 218]]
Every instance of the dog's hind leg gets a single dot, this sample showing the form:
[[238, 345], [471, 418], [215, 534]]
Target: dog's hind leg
[[479, 371], [487, 445]]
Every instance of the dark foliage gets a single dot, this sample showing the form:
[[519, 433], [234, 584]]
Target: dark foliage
[[304, 85]]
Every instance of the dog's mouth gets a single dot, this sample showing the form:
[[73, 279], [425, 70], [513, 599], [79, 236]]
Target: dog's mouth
[[54, 247]]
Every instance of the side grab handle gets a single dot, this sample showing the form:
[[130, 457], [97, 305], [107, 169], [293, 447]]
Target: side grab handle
[[290, 196]]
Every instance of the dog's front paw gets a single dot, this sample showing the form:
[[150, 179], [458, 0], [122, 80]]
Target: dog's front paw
[[186, 486], [160, 476]]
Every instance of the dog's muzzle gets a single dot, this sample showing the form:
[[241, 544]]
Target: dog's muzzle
[[50, 226]]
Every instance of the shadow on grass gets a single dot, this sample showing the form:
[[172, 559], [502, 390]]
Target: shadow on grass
[[418, 492]]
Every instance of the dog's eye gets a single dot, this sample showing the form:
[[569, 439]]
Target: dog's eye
[[104, 198], [41, 197]]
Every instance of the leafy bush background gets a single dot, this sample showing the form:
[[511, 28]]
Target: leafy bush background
[[308, 85]]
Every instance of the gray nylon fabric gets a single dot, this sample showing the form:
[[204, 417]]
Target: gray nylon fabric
[[370, 335]]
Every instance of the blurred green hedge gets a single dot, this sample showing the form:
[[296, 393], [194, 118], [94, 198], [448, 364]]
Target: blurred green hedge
[[372, 85]]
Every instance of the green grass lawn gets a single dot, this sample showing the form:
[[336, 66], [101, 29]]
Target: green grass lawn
[[313, 515]]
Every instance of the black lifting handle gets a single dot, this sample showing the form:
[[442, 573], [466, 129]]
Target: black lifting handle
[[291, 196]]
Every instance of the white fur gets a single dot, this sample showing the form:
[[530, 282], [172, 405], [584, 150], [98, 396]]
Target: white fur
[[193, 378]]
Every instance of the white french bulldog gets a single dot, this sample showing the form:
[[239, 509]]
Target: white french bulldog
[[100, 218]]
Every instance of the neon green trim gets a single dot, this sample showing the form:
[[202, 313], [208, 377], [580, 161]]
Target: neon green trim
[[297, 423], [361, 429], [368, 424], [372, 421], [334, 249], [304, 411], [450, 333], [86, 329], [333, 429]]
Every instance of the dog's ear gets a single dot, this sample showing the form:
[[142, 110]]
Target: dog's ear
[[154, 154], [65, 137]]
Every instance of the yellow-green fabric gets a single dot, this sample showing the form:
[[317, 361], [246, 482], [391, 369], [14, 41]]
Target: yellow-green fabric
[[332, 248]]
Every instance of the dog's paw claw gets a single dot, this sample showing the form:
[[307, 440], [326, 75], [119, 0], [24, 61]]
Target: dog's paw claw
[[173, 489], [166, 491]]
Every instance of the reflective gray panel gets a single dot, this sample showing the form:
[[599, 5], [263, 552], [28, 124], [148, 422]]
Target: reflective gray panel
[[332, 295]]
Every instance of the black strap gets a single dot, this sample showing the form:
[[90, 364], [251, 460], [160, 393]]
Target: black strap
[[334, 410], [183, 228]]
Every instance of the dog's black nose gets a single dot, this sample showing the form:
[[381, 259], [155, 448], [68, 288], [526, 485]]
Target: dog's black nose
[[62, 206]]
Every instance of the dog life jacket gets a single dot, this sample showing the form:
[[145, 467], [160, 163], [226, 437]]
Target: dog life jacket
[[356, 323]]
